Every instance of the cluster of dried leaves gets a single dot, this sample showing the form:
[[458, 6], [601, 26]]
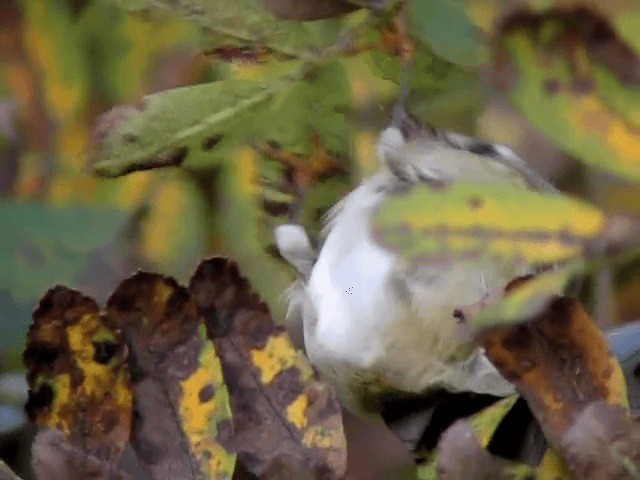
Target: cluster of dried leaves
[[198, 381], [201, 382]]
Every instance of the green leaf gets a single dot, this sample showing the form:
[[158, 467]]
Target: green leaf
[[444, 26], [247, 23], [204, 124], [486, 422], [624, 99], [43, 245], [485, 222], [169, 127], [101, 30], [528, 300], [583, 99], [315, 105], [127, 51], [441, 93]]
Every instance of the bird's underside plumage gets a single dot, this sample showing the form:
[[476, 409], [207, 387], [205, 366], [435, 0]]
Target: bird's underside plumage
[[377, 327]]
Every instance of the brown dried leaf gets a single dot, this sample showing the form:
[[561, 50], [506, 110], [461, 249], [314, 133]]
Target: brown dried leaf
[[77, 378], [287, 424], [182, 415], [460, 455], [603, 443], [561, 363], [54, 457]]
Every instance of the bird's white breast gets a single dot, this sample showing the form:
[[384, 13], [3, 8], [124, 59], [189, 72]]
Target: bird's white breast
[[372, 316]]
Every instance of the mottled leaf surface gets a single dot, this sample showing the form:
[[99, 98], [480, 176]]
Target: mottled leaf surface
[[286, 422], [55, 457], [182, 416], [573, 72], [165, 128], [77, 377], [560, 362], [470, 221]]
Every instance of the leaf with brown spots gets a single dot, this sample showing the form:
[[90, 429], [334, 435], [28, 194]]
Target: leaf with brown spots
[[78, 381], [488, 222], [572, 70], [287, 423], [560, 362], [172, 127], [182, 424]]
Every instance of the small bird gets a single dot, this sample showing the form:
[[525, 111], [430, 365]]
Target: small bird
[[376, 326]]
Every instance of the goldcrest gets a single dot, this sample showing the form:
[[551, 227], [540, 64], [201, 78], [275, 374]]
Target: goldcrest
[[375, 325]]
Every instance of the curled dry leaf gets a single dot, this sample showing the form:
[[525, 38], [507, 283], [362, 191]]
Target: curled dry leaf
[[78, 381], [560, 362], [182, 424], [287, 424]]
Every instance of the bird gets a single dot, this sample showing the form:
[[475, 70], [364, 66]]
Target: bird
[[376, 326]]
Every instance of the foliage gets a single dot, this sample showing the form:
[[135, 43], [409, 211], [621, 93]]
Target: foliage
[[206, 371], [274, 118], [495, 221]]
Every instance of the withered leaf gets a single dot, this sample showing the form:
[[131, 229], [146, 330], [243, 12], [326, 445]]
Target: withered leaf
[[54, 457], [560, 362], [603, 443], [78, 381], [182, 417], [287, 424], [460, 455], [505, 430]]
